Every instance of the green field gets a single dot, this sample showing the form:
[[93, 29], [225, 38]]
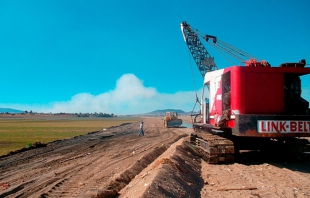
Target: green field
[[18, 133]]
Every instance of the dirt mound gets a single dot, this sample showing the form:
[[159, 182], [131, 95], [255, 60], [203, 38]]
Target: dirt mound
[[176, 173], [130, 173]]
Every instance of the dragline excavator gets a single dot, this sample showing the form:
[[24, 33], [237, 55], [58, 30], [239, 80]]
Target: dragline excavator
[[250, 106]]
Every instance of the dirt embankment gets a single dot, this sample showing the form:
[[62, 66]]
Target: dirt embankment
[[116, 162]]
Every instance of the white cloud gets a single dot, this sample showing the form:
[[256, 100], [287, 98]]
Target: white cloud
[[130, 96]]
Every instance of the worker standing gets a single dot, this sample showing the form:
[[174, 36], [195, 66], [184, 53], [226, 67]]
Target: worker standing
[[141, 129]]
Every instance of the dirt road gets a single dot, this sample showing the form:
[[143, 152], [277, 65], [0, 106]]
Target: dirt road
[[116, 162]]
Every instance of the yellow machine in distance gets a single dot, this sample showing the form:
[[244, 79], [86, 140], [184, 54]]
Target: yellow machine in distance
[[171, 119]]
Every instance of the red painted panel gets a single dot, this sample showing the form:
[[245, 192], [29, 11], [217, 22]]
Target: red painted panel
[[264, 92], [237, 94], [255, 90]]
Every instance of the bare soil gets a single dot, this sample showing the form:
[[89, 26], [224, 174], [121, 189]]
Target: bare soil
[[116, 162]]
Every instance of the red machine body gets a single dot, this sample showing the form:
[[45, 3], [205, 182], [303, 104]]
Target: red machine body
[[251, 107], [257, 101]]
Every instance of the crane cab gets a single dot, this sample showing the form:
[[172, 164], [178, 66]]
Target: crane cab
[[257, 101]]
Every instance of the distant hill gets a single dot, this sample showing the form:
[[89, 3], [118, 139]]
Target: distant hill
[[163, 111], [9, 110]]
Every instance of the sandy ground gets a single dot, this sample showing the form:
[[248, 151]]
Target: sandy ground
[[117, 163]]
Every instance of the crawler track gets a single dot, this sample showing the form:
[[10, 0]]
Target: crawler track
[[213, 148], [216, 149]]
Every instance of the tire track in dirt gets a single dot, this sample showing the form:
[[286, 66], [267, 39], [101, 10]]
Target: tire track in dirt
[[45, 175], [69, 168], [115, 158]]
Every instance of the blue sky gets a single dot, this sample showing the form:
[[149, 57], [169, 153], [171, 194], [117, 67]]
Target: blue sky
[[128, 56]]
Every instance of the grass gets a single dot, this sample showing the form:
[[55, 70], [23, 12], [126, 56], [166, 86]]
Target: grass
[[18, 133]]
